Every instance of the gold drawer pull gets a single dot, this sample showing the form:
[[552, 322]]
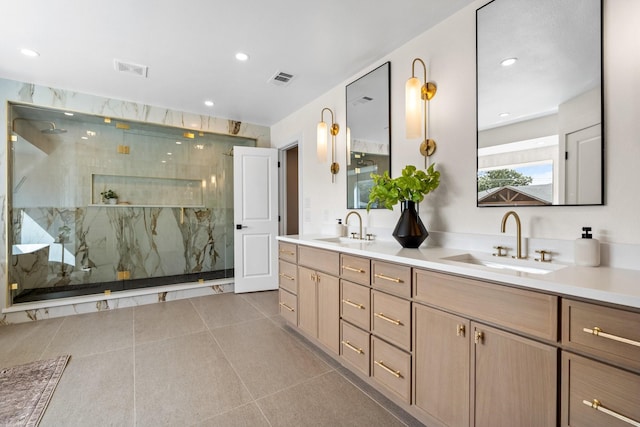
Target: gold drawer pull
[[478, 337], [391, 279], [388, 319], [460, 329], [595, 404], [353, 304], [354, 269], [286, 306], [598, 332], [396, 374], [352, 347], [287, 252], [287, 277]]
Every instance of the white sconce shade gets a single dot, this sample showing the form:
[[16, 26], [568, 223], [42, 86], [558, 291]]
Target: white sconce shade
[[413, 108], [348, 147], [322, 142]]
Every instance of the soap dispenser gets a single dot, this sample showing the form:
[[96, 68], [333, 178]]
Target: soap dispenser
[[341, 229], [587, 249]]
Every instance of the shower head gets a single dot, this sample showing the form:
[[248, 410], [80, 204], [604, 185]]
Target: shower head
[[53, 130]]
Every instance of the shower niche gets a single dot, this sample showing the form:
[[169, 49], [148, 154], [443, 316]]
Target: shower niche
[[172, 223]]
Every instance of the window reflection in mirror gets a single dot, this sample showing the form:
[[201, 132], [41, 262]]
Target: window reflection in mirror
[[539, 96], [369, 133]]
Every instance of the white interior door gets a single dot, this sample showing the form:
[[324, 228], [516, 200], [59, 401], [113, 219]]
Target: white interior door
[[255, 214], [583, 166]]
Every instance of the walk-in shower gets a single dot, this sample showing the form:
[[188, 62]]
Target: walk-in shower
[[172, 222]]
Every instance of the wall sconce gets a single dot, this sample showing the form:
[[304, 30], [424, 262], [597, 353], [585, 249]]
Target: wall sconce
[[416, 97], [322, 142]]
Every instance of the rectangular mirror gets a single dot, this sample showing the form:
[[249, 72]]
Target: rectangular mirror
[[539, 103], [368, 133]]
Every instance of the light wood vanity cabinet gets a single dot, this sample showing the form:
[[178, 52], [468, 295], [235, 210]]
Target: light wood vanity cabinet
[[469, 373], [455, 351], [288, 281], [594, 393], [319, 295]]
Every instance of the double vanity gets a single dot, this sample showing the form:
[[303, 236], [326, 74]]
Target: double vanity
[[466, 339]]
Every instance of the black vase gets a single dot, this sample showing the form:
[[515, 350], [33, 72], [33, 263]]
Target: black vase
[[410, 232]]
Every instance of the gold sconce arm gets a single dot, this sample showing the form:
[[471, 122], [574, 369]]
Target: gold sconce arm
[[417, 95], [322, 142]]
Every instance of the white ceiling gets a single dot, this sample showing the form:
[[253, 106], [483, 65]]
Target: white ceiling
[[189, 47]]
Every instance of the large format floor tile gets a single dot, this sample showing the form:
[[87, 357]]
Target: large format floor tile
[[184, 380], [225, 309], [25, 342], [244, 416], [267, 358], [86, 334], [326, 400], [95, 390], [164, 320], [265, 302]]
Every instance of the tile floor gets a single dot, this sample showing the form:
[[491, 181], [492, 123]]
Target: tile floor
[[223, 360]]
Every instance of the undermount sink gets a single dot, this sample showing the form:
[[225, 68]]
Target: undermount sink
[[503, 263], [343, 240]]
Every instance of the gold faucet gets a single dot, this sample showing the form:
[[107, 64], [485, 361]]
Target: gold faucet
[[518, 232], [346, 221]]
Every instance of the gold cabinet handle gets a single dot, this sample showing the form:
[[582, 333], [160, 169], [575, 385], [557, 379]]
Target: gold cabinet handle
[[287, 276], [479, 337], [388, 319], [352, 347], [391, 279], [460, 329], [286, 306], [598, 332], [395, 373], [353, 304], [287, 252], [595, 404], [354, 269]]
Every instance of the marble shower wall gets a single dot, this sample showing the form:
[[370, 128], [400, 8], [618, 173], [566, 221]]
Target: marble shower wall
[[102, 241]]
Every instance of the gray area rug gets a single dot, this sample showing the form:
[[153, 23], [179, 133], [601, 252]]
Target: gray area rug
[[25, 390]]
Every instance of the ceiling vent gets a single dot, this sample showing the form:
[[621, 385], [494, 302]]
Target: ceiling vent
[[361, 100], [129, 68], [281, 79]]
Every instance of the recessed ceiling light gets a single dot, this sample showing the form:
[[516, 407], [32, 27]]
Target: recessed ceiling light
[[509, 61], [29, 52], [208, 103], [504, 114], [242, 56], [178, 142], [168, 154], [164, 161], [84, 137], [66, 113]]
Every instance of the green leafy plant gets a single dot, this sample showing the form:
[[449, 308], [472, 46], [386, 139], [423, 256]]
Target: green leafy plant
[[412, 185], [109, 194]]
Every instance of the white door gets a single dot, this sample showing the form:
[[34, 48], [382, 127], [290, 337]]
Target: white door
[[255, 214], [583, 166]]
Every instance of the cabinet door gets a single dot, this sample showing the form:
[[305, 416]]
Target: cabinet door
[[515, 380], [307, 301], [329, 311], [441, 365]]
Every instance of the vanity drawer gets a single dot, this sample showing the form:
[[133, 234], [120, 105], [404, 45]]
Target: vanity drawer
[[355, 347], [605, 332], [529, 312], [355, 304], [355, 269], [319, 259], [288, 306], [288, 276], [391, 277], [616, 391], [391, 319], [288, 252], [392, 368]]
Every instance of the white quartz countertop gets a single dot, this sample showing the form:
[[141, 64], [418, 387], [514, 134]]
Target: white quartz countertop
[[603, 284]]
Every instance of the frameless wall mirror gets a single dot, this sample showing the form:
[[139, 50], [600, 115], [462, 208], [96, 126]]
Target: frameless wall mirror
[[368, 133], [539, 103]]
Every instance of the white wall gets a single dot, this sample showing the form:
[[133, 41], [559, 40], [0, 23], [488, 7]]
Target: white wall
[[449, 51]]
